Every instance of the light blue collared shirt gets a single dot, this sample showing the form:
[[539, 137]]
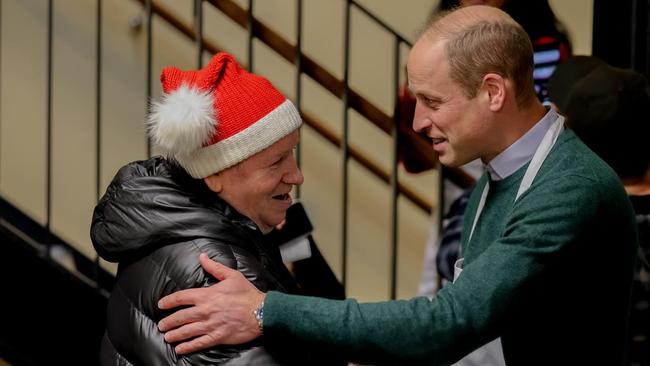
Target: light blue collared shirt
[[521, 151]]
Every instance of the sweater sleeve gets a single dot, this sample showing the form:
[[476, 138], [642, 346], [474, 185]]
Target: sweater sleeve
[[503, 279], [381, 333]]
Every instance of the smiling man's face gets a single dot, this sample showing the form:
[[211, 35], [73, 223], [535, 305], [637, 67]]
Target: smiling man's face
[[443, 112], [259, 186]]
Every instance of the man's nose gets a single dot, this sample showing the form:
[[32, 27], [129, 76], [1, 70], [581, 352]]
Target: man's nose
[[420, 121], [294, 175]]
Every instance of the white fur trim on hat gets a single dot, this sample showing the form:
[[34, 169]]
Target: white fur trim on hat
[[216, 157], [183, 121]]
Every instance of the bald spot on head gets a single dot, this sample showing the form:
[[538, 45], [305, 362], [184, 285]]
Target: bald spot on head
[[459, 19]]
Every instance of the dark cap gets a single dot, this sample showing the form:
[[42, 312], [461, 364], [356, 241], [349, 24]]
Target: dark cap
[[608, 108], [567, 74]]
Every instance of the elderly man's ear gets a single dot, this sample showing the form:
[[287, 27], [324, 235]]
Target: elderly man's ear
[[214, 182]]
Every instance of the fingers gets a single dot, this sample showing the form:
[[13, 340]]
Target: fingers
[[185, 332], [179, 298], [216, 269], [180, 318], [189, 296], [196, 344], [214, 315]]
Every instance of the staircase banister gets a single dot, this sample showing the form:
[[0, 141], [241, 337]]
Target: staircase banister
[[322, 76], [335, 86], [330, 82]]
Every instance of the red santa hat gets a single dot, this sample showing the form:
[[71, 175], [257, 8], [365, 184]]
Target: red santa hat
[[216, 117]]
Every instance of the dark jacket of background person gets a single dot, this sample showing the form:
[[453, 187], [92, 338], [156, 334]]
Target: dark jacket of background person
[[154, 211], [609, 109]]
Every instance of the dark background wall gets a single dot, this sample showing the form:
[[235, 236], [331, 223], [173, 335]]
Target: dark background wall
[[48, 315], [620, 33]]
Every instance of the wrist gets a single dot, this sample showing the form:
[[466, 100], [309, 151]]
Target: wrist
[[258, 313]]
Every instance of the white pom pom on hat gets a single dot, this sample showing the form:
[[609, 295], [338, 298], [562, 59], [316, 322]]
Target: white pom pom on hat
[[183, 121], [215, 117]]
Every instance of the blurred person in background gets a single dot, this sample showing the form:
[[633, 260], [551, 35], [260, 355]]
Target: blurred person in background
[[609, 109]]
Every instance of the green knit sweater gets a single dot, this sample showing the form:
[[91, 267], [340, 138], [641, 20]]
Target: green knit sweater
[[549, 274]]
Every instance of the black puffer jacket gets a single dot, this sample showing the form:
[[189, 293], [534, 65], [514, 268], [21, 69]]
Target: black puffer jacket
[[155, 220]]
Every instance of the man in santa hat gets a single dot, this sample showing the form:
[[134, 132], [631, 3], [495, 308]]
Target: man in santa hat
[[228, 138]]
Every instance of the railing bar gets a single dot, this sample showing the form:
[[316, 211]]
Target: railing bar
[[440, 208], [442, 179], [149, 66], [98, 124], [298, 96], [170, 17], [48, 188], [344, 145], [251, 35], [394, 181], [198, 12], [98, 101], [381, 23]]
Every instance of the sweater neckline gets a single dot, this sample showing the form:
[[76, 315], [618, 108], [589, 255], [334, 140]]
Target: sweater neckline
[[509, 182]]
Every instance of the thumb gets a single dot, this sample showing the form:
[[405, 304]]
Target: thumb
[[216, 269]]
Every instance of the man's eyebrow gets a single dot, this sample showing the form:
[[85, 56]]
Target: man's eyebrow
[[431, 98]]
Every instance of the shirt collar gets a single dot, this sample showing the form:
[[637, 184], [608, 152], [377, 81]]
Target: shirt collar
[[521, 151]]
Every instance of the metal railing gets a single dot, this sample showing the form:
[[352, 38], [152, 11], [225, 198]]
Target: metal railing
[[340, 88], [304, 65]]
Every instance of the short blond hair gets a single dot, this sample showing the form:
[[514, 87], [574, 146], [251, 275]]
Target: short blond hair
[[477, 45]]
